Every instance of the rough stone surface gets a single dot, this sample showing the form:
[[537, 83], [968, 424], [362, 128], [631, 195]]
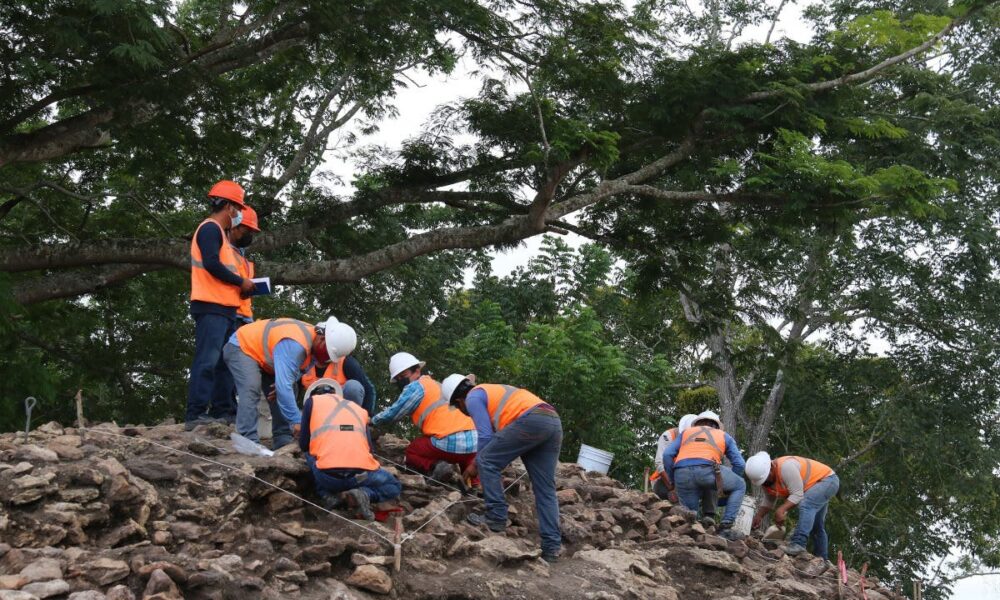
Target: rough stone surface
[[372, 578], [119, 518]]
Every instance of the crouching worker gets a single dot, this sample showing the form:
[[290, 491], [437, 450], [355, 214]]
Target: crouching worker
[[693, 465], [448, 436], [338, 449], [511, 423], [804, 483]]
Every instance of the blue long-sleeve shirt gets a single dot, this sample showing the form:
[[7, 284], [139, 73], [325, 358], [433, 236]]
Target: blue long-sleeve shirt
[[288, 356], [732, 453], [475, 403], [461, 442], [209, 240]]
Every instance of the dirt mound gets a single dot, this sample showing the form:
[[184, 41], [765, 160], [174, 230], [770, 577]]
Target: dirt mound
[[111, 515]]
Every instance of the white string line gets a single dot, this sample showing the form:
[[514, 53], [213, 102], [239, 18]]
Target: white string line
[[244, 473], [410, 535]]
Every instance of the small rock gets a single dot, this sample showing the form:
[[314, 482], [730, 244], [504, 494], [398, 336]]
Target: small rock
[[12, 582], [424, 565], [35, 454], [47, 589], [568, 496], [66, 452], [21, 468], [51, 428], [372, 578], [208, 579], [87, 595], [104, 571], [120, 592], [503, 550], [737, 548], [16, 595], [358, 559], [161, 585], [203, 448], [42, 569], [714, 542], [176, 573]]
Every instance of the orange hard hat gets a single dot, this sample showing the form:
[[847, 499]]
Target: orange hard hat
[[250, 218], [227, 190]]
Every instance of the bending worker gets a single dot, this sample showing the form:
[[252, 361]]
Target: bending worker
[[338, 448], [804, 483], [512, 423], [693, 464], [279, 350], [449, 436], [344, 370]]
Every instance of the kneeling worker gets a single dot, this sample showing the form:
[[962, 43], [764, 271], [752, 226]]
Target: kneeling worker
[[449, 436], [804, 483], [512, 423], [337, 446], [693, 465]]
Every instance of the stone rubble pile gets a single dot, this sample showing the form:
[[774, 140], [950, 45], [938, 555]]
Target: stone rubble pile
[[100, 516]]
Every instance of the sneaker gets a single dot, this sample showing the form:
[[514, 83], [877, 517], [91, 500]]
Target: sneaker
[[359, 499], [479, 520], [793, 549], [442, 472]]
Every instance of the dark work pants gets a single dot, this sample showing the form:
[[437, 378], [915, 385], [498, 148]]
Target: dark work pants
[[210, 382]]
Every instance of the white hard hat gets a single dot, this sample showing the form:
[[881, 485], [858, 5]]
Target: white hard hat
[[322, 382], [449, 385], [327, 324], [402, 361], [710, 416], [758, 468], [340, 340], [685, 422]]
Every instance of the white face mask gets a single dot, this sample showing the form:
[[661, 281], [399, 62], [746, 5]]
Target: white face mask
[[235, 221]]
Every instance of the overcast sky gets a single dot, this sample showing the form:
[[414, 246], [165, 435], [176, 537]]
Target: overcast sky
[[415, 105]]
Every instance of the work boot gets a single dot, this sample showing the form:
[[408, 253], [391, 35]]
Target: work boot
[[479, 520], [550, 557], [731, 534], [707, 521], [442, 472], [360, 501], [202, 420], [793, 549]]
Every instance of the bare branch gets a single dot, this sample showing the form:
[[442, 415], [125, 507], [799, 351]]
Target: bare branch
[[69, 285]]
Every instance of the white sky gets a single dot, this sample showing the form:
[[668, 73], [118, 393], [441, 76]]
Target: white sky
[[415, 105]]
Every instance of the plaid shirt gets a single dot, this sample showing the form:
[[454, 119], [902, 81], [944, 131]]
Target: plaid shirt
[[462, 442]]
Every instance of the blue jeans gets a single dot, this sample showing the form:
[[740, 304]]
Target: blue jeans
[[696, 480], [250, 383], [812, 515], [537, 439], [210, 382], [380, 485]]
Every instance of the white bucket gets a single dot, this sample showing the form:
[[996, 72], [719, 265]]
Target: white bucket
[[744, 518], [594, 459]]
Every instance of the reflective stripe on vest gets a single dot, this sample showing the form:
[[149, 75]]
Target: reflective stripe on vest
[[506, 403], [435, 416], [246, 272], [811, 471], [258, 339], [338, 434], [205, 287], [704, 442], [334, 370]]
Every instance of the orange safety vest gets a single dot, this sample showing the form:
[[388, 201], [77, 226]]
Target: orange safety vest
[[258, 339], [505, 403], [204, 286], [671, 436], [334, 370], [812, 471], [702, 442], [246, 272], [338, 436], [435, 417]]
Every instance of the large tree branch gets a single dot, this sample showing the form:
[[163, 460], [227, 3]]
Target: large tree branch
[[70, 285]]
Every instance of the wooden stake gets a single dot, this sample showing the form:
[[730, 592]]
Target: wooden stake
[[397, 548], [79, 413], [645, 481]]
